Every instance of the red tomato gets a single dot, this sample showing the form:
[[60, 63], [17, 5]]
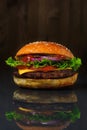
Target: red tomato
[[26, 58], [21, 67], [48, 68], [45, 69]]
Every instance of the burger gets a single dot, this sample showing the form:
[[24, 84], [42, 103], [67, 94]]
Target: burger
[[56, 112], [44, 65]]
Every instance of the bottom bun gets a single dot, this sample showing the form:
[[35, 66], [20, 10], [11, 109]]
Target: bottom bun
[[61, 127], [45, 83]]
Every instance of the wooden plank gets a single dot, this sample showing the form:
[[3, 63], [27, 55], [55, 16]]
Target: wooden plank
[[53, 18], [28, 21], [13, 31], [32, 20], [84, 19], [42, 19], [64, 20], [74, 26], [83, 27], [22, 22], [7, 29]]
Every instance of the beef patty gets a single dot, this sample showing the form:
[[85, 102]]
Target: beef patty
[[46, 75]]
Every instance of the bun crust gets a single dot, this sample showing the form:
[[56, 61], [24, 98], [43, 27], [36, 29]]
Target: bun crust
[[43, 47], [62, 126], [45, 83], [49, 97]]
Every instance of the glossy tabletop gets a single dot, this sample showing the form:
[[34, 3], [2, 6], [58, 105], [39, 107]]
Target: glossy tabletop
[[8, 104]]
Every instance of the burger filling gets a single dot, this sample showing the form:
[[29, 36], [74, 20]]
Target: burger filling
[[51, 117], [46, 75], [46, 66]]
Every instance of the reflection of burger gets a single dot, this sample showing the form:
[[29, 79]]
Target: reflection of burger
[[44, 65], [55, 112]]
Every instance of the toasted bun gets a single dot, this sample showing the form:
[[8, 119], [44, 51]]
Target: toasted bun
[[45, 83], [61, 127], [49, 97], [44, 47]]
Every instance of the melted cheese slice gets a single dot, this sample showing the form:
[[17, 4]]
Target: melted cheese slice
[[22, 71], [25, 109]]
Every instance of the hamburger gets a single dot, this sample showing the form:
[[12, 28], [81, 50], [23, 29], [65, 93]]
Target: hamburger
[[44, 65], [57, 111]]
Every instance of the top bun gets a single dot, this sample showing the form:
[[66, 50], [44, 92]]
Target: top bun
[[61, 126], [43, 47]]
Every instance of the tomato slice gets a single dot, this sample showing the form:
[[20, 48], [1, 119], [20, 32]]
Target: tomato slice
[[45, 69], [48, 68], [21, 67], [26, 58]]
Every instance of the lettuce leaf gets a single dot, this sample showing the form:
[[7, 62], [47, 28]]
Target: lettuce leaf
[[13, 63], [60, 115], [73, 63]]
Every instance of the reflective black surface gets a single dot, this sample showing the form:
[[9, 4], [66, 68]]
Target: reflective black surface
[[7, 89]]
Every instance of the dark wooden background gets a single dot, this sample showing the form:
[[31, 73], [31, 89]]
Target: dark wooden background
[[23, 21]]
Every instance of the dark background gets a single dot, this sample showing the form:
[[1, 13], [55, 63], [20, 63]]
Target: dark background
[[23, 21]]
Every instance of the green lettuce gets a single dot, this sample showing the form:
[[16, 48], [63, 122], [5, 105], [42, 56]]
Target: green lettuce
[[60, 115], [73, 63]]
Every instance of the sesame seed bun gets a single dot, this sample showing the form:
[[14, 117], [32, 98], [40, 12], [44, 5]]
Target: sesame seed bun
[[43, 47], [61, 127]]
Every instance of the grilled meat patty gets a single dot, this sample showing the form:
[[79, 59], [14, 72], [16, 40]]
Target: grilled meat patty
[[46, 75]]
